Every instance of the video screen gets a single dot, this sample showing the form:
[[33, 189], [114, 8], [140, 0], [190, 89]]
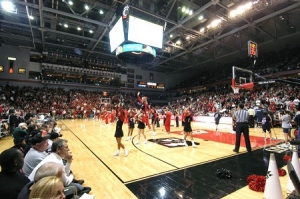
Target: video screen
[[145, 32], [116, 35]]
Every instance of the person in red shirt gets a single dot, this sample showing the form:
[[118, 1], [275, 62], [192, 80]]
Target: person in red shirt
[[144, 101], [168, 120], [106, 116], [119, 131], [112, 116], [126, 116], [74, 114]]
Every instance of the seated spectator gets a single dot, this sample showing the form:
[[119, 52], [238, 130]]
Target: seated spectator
[[36, 153], [28, 115], [48, 187], [11, 179], [48, 169], [20, 133], [53, 137], [60, 152]]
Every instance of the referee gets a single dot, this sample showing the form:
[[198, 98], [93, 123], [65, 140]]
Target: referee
[[241, 117]]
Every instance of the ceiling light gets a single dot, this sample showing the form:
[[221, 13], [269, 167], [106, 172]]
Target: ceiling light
[[190, 12], [66, 25], [101, 12], [233, 13], [12, 58], [171, 35], [78, 28], [8, 6], [215, 23], [60, 23], [202, 29], [91, 31], [30, 17], [248, 5], [200, 17], [183, 9], [188, 37], [70, 3], [86, 7]]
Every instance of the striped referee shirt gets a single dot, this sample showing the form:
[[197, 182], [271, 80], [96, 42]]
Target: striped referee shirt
[[241, 116]]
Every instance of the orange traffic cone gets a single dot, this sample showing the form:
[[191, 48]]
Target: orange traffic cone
[[273, 188]]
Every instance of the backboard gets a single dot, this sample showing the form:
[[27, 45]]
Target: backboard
[[241, 78]]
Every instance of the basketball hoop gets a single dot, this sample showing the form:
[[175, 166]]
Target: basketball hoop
[[235, 89], [248, 86]]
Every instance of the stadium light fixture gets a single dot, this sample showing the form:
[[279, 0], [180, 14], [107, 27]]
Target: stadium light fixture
[[8, 6]]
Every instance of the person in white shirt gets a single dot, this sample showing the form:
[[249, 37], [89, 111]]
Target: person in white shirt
[[37, 152], [286, 126], [60, 151]]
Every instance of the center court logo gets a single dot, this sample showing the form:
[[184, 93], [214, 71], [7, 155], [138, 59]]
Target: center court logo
[[200, 132]]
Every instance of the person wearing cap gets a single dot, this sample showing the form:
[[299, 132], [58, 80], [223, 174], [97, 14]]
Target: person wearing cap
[[60, 151], [37, 152], [20, 133]]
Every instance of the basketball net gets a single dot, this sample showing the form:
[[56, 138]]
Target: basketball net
[[235, 89]]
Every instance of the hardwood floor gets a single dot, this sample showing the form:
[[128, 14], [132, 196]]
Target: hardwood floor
[[93, 145]]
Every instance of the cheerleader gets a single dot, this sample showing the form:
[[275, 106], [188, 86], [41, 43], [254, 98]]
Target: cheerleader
[[119, 132], [154, 120], [187, 128], [144, 102], [141, 126], [130, 126]]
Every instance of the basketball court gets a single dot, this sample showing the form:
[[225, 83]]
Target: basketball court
[[151, 166]]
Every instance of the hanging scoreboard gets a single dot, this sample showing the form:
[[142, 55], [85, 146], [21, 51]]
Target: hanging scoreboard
[[252, 49]]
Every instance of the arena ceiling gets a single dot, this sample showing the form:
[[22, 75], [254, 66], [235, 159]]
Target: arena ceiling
[[196, 36]]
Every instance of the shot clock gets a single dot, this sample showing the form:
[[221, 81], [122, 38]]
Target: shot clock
[[252, 49]]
